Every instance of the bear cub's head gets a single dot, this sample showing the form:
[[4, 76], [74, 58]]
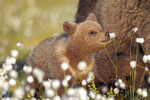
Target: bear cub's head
[[87, 35]]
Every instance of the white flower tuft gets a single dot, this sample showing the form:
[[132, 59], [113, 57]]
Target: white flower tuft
[[27, 69], [64, 66], [14, 53], [133, 64], [146, 58], [146, 69], [30, 79], [83, 82], [116, 90], [82, 65], [55, 84], [144, 93], [140, 40], [135, 29], [39, 74], [68, 77], [57, 98], [65, 83], [122, 85], [71, 91], [92, 94], [12, 82], [139, 91], [112, 35], [19, 92], [50, 93], [13, 74]]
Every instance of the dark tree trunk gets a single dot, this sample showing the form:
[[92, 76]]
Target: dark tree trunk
[[120, 16]]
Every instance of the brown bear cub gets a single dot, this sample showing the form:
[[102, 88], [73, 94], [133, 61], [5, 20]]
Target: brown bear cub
[[80, 43]]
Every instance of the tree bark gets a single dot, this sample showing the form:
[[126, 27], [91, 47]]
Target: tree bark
[[120, 16]]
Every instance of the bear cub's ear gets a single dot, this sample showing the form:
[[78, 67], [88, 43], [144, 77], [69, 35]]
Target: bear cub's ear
[[91, 17], [69, 27]]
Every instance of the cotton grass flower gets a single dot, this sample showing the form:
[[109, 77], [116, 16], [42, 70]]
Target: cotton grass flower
[[65, 83], [122, 85], [105, 89], [12, 82], [56, 84], [91, 74], [50, 93], [112, 35], [144, 93], [82, 65], [10, 60], [19, 93], [146, 69], [135, 29], [116, 90], [39, 74], [140, 40], [27, 69], [57, 98], [64, 66], [13, 74], [14, 53], [146, 58], [92, 94], [98, 97], [133, 64], [84, 82], [139, 91], [68, 77], [82, 93], [30, 79], [71, 92], [47, 84]]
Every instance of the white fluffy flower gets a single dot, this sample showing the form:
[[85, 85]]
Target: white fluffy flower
[[135, 29], [81, 65], [19, 92], [32, 92], [98, 97], [68, 77], [83, 82], [146, 58], [57, 98], [64, 66], [56, 84], [146, 69], [14, 53], [117, 84], [39, 74], [105, 89], [92, 94], [6, 67], [71, 91], [139, 91], [82, 93], [112, 35], [46, 84], [144, 93], [27, 88], [13, 74], [116, 90], [10, 60], [30, 79], [27, 69], [140, 40], [50, 93], [122, 85], [89, 79], [133, 64], [65, 83], [12, 82], [120, 81], [91, 74], [18, 44]]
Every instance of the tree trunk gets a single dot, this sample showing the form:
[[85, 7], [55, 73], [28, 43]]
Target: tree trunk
[[120, 16]]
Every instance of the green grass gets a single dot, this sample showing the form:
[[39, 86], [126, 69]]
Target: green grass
[[42, 18]]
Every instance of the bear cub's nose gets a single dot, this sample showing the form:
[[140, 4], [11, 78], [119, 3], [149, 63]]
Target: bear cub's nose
[[107, 34]]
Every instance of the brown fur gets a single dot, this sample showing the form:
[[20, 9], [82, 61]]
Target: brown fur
[[78, 44], [120, 16]]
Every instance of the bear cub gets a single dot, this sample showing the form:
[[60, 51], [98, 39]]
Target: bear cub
[[80, 43]]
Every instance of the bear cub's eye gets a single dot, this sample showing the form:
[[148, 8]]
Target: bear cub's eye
[[92, 32]]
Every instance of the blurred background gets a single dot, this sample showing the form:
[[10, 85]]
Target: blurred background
[[24, 23]]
